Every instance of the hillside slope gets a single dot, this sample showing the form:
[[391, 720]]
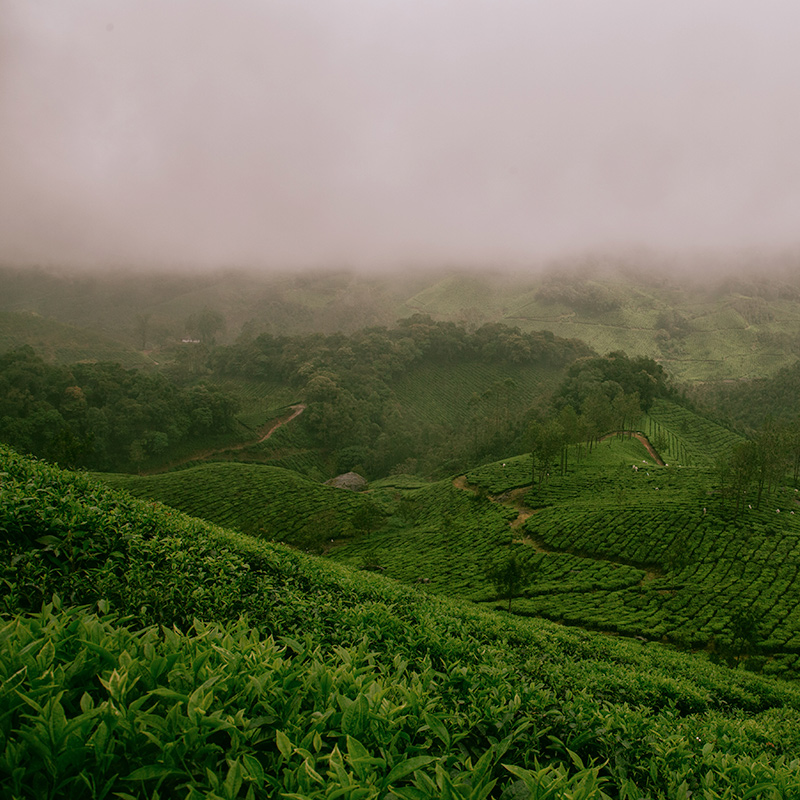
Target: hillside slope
[[259, 500], [338, 684], [616, 544], [720, 328], [700, 331], [61, 343]]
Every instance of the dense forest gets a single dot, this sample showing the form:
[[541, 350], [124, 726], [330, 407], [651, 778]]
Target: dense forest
[[101, 416]]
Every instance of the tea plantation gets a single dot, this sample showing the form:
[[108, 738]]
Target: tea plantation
[[641, 550], [259, 500], [618, 544], [144, 653]]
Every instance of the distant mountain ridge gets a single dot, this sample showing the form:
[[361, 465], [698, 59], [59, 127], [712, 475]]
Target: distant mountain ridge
[[725, 329]]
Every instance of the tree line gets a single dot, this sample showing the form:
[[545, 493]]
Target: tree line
[[755, 468], [101, 416], [348, 382], [598, 395]]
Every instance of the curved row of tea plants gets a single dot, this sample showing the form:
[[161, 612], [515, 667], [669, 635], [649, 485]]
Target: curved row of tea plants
[[259, 500], [707, 569], [685, 437]]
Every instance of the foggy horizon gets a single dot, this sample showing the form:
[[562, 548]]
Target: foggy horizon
[[350, 134]]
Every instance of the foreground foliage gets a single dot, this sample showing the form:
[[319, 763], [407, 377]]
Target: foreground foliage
[[206, 663]]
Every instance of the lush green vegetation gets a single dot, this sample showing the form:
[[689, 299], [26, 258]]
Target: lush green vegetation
[[144, 653], [749, 404], [101, 415], [260, 500], [685, 437], [337, 684], [730, 327], [61, 343], [620, 544], [614, 543], [371, 394]]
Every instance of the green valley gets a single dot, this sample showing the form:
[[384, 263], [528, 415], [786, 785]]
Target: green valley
[[567, 565]]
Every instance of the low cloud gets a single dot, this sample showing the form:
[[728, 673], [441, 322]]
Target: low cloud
[[285, 134]]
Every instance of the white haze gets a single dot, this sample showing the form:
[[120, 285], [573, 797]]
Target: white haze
[[378, 133]]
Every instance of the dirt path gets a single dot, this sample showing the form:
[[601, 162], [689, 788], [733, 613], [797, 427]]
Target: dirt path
[[297, 410], [643, 439], [263, 435], [514, 498]]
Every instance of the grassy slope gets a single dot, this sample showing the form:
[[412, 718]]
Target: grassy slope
[[255, 499], [722, 342], [347, 684], [683, 437], [652, 553], [62, 343], [735, 331]]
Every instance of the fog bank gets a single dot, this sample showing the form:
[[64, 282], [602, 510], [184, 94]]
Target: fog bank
[[353, 133]]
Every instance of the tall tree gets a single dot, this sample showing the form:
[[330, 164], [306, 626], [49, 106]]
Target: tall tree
[[546, 439], [770, 457]]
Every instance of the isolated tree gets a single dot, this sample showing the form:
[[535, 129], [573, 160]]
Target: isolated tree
[[741, 471], [366, 519], [510, 577], [744, 633], [546, 440]]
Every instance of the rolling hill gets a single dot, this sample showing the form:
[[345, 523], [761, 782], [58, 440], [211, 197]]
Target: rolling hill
[[725, 327], [61, 343], [617, 544], [174, 657]]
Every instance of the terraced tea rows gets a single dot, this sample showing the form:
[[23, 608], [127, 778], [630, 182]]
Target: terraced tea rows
[[259, 500], [617, 544], [653, 552], [705, 569], [685, 437], [440, 535], [228, 665]]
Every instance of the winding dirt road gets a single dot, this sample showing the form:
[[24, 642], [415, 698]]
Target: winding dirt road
[[263, 435]]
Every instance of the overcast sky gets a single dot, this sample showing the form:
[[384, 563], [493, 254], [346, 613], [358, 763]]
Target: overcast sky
[[285, 133]]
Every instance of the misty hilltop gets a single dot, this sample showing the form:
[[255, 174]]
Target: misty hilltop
[[730, 323]]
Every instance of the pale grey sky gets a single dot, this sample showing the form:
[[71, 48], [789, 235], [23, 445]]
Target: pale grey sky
[[375, 133]]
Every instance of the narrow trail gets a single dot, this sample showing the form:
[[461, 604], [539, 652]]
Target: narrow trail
[[514, 498], [643, 439], [263, 435]]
